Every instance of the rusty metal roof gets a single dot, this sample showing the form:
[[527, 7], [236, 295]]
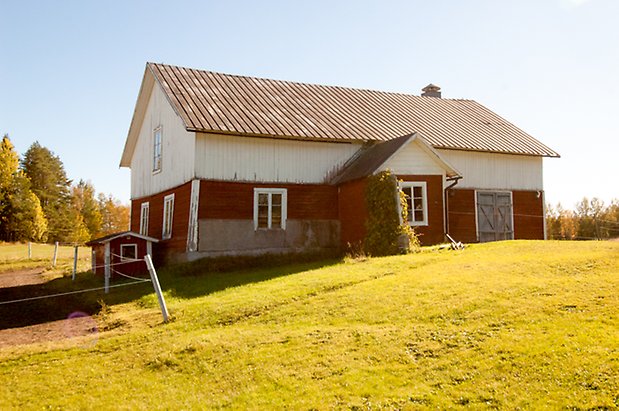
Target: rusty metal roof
[[222, 103]]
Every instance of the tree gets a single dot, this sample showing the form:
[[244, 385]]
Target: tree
[[84, 201], [21, 215], [9, 162], [114, 215], [27, 222], [51, 185]]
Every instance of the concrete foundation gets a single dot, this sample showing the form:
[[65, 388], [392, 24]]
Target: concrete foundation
[[218, 237]]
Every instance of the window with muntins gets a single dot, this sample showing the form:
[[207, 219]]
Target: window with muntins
[[270, 206], [416, 200], [168, 214], [144, 212], [157, 134]]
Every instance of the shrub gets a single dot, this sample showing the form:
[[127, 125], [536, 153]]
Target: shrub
[[388, 232]]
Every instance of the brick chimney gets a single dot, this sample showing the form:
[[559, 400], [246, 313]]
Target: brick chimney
[[431, 91]]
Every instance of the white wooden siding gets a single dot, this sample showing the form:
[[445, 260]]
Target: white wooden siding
[[177, 149], [237, 158], [496, 171], [413, 159]]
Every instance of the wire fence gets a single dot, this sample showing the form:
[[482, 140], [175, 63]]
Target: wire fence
[[136, 280]]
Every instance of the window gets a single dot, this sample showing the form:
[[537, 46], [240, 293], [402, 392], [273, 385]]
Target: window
[[168, 213], [144, 211], [416, 199], [270, 208], [157, 149], [128, 252]]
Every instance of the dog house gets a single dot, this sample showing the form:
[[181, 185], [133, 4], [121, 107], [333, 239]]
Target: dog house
[[123, 252]]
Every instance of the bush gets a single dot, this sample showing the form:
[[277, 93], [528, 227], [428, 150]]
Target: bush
[[387, 227]]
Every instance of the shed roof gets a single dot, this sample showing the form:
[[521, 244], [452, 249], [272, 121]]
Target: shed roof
[[207, 101], [110, 237]]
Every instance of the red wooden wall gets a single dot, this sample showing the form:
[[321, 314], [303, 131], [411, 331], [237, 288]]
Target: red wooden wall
[[180, 218], [229, 200]]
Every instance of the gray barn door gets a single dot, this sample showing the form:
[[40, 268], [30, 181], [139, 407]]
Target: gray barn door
[[494, 216]]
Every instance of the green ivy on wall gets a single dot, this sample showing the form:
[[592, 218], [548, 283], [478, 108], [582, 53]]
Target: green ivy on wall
[[388, 232]]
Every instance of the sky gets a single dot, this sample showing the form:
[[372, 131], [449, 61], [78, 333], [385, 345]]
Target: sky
[[70, 71]]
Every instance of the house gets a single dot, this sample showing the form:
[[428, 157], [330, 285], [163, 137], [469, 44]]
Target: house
[[225, 165], [122, 253]]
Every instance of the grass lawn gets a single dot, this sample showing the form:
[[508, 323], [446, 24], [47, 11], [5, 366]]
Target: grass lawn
[[518, 324], [14, 256]]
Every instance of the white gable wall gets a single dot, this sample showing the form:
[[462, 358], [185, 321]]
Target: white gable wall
[[240, 158], [496, 171], [413, 159], [177, 149]]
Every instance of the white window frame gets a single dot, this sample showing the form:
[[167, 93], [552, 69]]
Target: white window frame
[[157, 149], [270, 192], [122, 253], [144, 218], [168, 216], [424, 201]]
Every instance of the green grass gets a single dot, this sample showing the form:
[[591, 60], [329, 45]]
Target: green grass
[[14, 256], [517, 324]]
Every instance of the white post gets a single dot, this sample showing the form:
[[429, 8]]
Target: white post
[[55, 254], [107, 262], [29, 250], [157, 287], [74, 263]]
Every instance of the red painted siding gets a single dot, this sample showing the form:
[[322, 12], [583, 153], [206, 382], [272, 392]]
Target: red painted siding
[[434, 232], [528, 215], [352, 212], [528, 211], [180, 218], [227, 200], [129, 268], [461, 215]]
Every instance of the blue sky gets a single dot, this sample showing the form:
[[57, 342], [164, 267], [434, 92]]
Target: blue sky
[[70, 71]]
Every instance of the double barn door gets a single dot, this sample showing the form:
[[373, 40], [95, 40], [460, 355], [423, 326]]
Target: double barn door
[[494, 216]]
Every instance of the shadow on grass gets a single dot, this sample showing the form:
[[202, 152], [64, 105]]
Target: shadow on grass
[[199, 278]]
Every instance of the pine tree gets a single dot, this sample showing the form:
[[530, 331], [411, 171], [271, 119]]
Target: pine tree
[[21, 215], [27, 222], [51, 185]]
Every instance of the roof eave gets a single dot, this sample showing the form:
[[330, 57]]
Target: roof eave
[[141, 105]]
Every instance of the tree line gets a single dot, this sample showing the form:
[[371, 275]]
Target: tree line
[[590, 220], [39, 203]]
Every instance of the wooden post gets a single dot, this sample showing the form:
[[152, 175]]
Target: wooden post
[[107, 262], [157, 287], [74, 263], [29, 250], [55, 254]]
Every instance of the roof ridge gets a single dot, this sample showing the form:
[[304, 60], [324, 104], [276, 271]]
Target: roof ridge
[[397, 93]]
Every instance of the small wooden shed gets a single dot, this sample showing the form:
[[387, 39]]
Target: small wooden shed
[[124, 252]]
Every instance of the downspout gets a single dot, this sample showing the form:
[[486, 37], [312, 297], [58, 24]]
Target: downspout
[[446, 200]]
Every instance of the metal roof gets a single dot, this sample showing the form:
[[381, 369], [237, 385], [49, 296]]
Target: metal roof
[[222, 103], [369, 159]]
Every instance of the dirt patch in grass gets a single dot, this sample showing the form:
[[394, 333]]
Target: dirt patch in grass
[[26, 276], [80, 325]]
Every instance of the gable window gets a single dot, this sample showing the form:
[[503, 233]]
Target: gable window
[[157, 149], [128, 252], [417, 201], [270, 208], [168, 213], [144, 212]]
